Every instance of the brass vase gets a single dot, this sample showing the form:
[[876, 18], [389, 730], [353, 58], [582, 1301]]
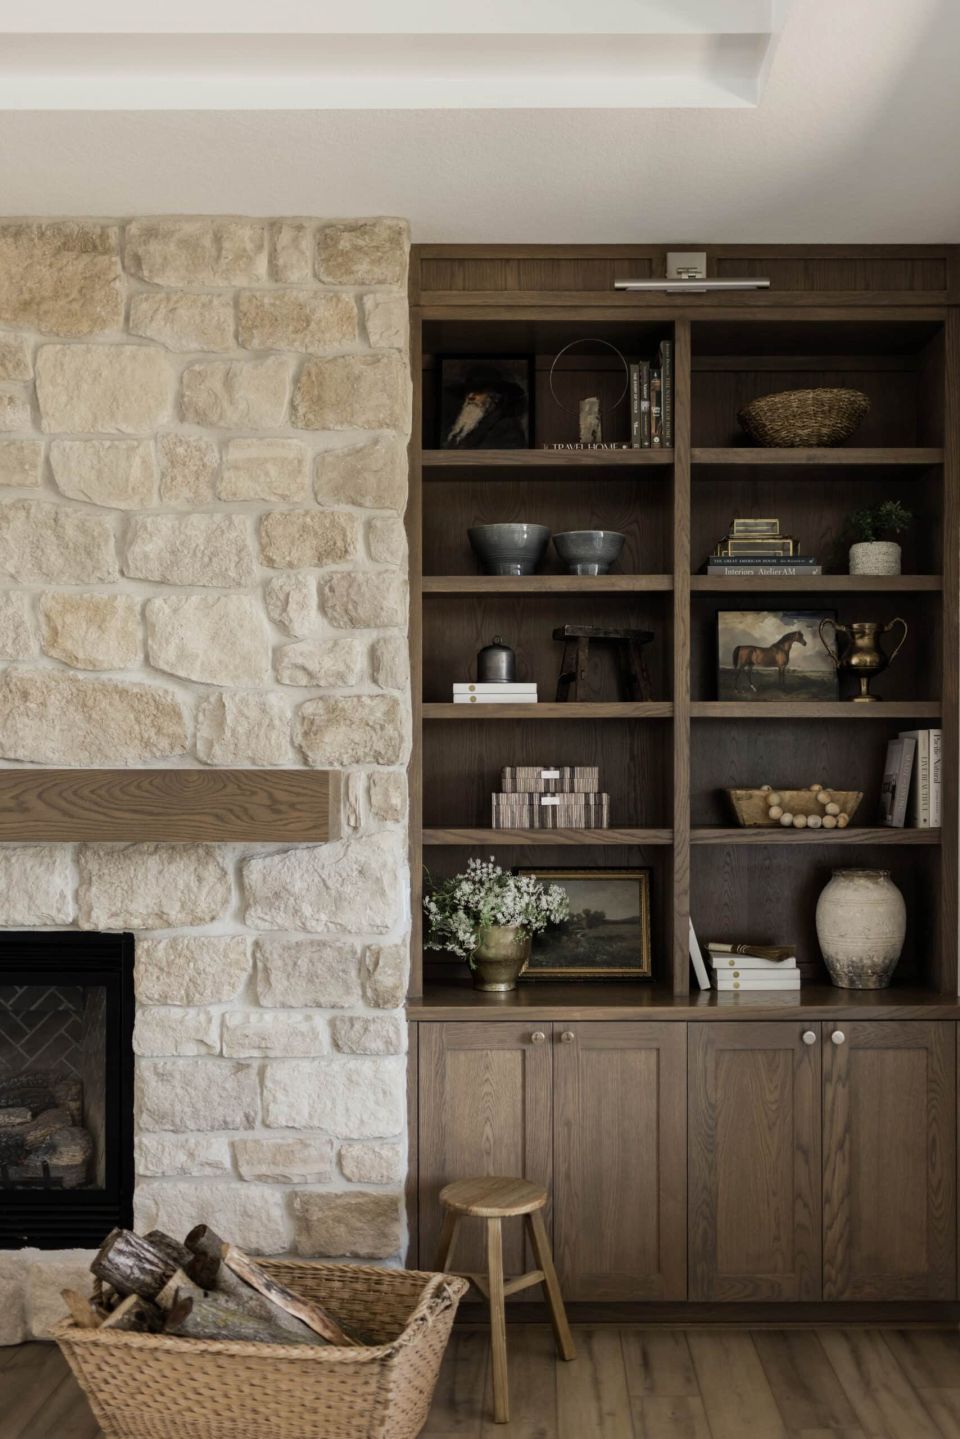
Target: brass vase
[[500, 958], [862, 656]]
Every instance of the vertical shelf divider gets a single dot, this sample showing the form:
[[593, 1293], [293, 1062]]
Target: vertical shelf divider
[[414, 521], [948, 977], [682, 421]]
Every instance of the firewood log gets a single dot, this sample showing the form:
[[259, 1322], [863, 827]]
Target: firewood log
[[213, 1317], [64, 1155], [13, 1144], [177, 1253], [135, 1314], [45, 1124], [132, 1265], [206, 1246], [178, 1286], [81, 1310], [10, 1117], [67, 1091], [313, 1315]]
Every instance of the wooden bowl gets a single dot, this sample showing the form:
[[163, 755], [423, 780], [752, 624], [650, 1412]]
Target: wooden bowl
[[750, 805]]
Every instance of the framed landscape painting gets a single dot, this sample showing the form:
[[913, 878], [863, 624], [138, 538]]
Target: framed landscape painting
[[774, 656], [607, 935]]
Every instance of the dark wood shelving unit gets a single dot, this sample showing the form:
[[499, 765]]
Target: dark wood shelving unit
[[663, 764]]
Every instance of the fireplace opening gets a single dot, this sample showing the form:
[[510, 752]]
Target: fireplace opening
[[66, 1088]]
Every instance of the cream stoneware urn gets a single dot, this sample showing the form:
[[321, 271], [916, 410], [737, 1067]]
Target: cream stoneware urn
[[861, 923]]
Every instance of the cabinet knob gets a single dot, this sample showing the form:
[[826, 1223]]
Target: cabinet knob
[[838, 1036], [537, 1037], [567, 1037], [809, 1036]]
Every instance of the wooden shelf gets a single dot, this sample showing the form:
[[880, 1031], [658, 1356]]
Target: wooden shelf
[[651, 709], [175, 806], [550, 1000], [546, 459], [816, 584], [543, 584], [851, 835], [828, 709], [547, 836], [802, 458]]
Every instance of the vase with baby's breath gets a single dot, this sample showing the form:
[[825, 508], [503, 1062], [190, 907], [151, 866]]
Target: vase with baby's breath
[[488, 917]]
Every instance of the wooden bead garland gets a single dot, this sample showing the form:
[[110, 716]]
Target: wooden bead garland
[[832, 817]]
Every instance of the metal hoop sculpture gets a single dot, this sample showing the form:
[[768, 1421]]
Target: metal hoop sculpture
[[591, 340]]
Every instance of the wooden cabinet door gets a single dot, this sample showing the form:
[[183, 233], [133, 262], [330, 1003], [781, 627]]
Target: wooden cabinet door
[[754, 1161], [889, 1147], [485, 1108], [619, 1160]]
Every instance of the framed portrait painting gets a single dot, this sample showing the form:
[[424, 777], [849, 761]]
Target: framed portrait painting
[[485, 402], [607, 935]]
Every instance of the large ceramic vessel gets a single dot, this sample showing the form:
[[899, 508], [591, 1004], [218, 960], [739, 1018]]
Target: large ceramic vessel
[[500, 958], [861, 923]]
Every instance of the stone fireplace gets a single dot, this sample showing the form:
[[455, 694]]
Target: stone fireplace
[[202, 563]]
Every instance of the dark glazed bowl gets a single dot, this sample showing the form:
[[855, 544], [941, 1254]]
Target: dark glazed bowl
[[589, 552], [511, 549]]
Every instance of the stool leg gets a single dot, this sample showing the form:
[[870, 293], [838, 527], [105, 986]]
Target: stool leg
[[498, 1322], [448, 1238], [558, 1315]]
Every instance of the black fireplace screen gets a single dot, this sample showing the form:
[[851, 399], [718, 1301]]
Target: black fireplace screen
[[66, 1017]]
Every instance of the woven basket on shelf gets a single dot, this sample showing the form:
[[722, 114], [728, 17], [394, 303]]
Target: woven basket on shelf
[[155, 1386], [804, 417]]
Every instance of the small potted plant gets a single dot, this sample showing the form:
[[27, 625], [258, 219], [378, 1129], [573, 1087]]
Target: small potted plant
[[876, 551], [489, 917]]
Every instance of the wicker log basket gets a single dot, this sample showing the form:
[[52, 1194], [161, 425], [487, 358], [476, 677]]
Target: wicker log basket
[[795, 418], [155, 1386]]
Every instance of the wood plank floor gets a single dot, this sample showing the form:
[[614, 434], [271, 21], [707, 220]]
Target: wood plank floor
[[627, 1383]]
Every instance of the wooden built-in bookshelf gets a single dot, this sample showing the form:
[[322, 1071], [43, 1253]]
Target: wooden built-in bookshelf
[[665, 763]]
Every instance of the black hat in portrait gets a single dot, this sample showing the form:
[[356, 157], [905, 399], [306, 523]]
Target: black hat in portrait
[[485, 404]]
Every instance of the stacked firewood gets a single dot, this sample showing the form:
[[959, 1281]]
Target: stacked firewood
[[203, 1288], [42, 1139]]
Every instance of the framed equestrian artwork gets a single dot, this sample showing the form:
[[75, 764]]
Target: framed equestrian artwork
[[607, 933], [485, 403], [774, 656]]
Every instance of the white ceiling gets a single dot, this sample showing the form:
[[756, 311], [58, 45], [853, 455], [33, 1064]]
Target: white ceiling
[[856, 138]]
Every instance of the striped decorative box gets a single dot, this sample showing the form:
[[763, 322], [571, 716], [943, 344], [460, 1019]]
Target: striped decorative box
[[551, 779], [551, 811]]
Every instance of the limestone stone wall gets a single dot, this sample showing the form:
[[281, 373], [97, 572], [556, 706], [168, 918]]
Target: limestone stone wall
[[202, 562]]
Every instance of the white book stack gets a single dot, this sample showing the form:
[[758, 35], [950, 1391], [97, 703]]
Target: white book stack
[[736, 968], [925, 805], [495, 694]]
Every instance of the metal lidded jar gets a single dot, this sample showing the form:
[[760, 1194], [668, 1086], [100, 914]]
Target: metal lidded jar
[[496, 663]]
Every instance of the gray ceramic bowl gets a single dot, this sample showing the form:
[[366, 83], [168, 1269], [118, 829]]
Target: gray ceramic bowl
[[514, 549], [589, 552]]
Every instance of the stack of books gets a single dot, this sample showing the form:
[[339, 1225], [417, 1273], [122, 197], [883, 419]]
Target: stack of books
[[912, 790], [495, 694], [746, 967], [651, 401], [755, 547], [551, 797]]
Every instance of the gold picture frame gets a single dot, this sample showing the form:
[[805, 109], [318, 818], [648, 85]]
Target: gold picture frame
[[597, 939]]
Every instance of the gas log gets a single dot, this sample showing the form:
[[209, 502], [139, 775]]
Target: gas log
[[202, 1289]]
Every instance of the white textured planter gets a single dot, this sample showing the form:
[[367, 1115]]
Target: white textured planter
[[875, 557], [861, 922]]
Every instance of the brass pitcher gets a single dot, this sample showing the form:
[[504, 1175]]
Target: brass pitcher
[[862, 655]]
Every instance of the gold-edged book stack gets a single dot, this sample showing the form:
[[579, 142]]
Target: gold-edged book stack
[[754, 548]]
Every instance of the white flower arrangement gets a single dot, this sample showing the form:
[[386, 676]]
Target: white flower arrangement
[[458, 909]]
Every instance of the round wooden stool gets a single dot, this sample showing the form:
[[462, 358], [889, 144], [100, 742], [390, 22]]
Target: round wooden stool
[[494, 1199]]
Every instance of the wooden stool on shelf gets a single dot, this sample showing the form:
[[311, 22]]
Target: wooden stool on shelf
[[632, 674], [494, 1199]]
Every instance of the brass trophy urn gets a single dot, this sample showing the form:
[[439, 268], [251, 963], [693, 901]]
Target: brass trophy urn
[[862, 656]]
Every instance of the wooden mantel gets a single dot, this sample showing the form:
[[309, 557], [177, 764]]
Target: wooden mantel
[[207, 806]]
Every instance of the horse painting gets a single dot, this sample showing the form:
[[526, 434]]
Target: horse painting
[[765, 657]]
